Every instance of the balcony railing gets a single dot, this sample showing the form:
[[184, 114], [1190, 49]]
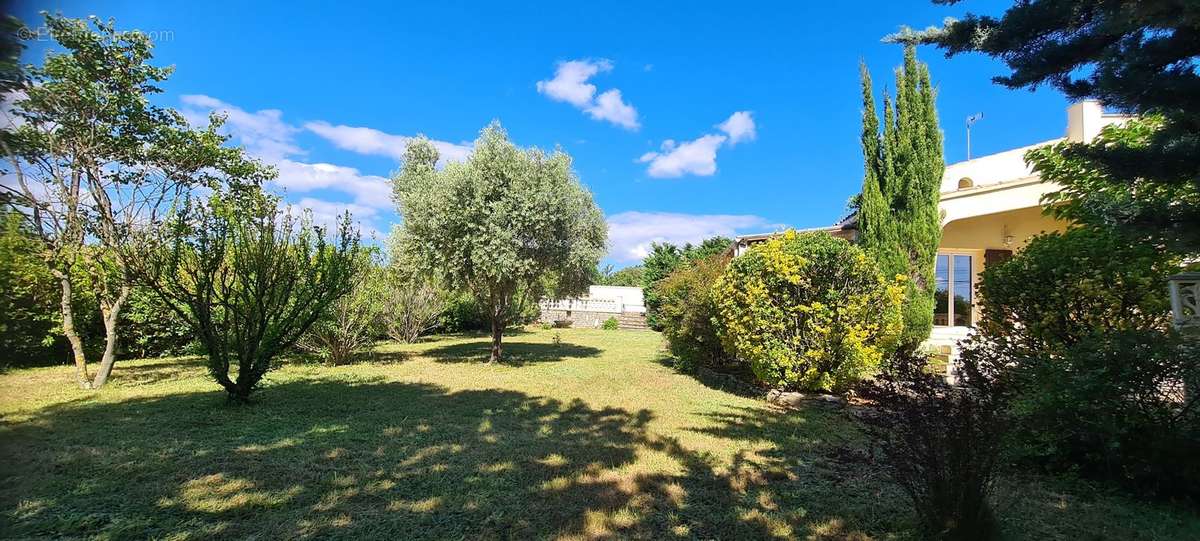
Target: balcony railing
[[592, 305]]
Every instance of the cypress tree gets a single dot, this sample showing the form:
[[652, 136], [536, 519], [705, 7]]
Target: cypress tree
[[875, 223], [898, 217]]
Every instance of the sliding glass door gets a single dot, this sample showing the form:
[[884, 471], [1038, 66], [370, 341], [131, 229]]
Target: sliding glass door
[[953, 297]]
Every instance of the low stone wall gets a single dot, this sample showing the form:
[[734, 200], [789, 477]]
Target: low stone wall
[[578, 318]]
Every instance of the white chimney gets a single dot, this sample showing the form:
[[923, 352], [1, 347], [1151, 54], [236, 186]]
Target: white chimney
[[1084, 120]]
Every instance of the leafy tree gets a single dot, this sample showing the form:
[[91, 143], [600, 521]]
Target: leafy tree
[[94, 160], [1138, 57], [508, 225], [629, 276], [249, 277], [1098, 195], [898, 217], [664, 258], [808, 311], [27, 307]]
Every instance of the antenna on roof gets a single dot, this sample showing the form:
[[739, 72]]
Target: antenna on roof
[[971, 120]]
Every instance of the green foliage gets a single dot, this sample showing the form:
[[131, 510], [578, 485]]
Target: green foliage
[[250, 278], [663, 259], [463, 314], [1102, 186], [808, 311], [350, 324], [628, 277], [940, 443], [611, 324], [151, 328], [1110, 406], [27, 308], [1134, 56], [408, 306], [509, 225], [1075, 330], [1064, 287], [898, 217], [688, 311]]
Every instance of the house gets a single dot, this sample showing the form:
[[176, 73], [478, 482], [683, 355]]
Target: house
[[592, 310], [990, 207]]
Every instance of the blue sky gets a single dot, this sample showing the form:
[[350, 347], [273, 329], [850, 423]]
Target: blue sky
[[685, 120]]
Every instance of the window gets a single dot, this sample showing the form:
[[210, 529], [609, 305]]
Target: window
[[952, 298]]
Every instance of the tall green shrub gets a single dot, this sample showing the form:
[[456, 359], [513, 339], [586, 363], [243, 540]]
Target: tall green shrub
[[29, 303], [664, 259], [898, 218], [808, 311], [1076, 330], [1065, 287], [351, 323], [688, 310]]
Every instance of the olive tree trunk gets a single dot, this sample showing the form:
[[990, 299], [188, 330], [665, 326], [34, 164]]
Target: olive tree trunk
[[497, 337]]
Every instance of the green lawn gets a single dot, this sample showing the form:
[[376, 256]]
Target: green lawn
[[589, 438]]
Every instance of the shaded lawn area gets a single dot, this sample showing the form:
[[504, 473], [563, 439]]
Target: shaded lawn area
[[589, 438]]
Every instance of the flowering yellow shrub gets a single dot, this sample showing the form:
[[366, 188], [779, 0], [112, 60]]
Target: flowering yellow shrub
[[808, 311]]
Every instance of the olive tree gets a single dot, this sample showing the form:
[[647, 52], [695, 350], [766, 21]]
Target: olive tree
[[509, 225], [250, 278]]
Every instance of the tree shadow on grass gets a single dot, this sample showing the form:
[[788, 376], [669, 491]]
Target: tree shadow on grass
[[815, 461], [515, 353], [329, 458], [149, 372]]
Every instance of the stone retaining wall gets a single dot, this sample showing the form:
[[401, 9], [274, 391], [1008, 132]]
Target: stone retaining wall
[[578, 318]]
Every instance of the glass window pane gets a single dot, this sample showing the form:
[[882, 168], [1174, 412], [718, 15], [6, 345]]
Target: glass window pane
[[962, 290], [941, 307]]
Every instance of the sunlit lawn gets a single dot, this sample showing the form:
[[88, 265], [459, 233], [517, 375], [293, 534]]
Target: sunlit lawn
[[592, 437]]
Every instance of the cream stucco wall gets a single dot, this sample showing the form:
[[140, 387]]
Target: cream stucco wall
[[974, 236], [989, 231]]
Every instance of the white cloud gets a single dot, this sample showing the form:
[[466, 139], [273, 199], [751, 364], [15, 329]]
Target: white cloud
[[697, 157], [631, 233], [266, 136], [372, 141], [570, 84], [263, 133], [570, 81], [329, 214], [739, 127], [609, 106], [367, 190]]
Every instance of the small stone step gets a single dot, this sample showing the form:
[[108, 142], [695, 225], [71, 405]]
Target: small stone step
[[632, 321]]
